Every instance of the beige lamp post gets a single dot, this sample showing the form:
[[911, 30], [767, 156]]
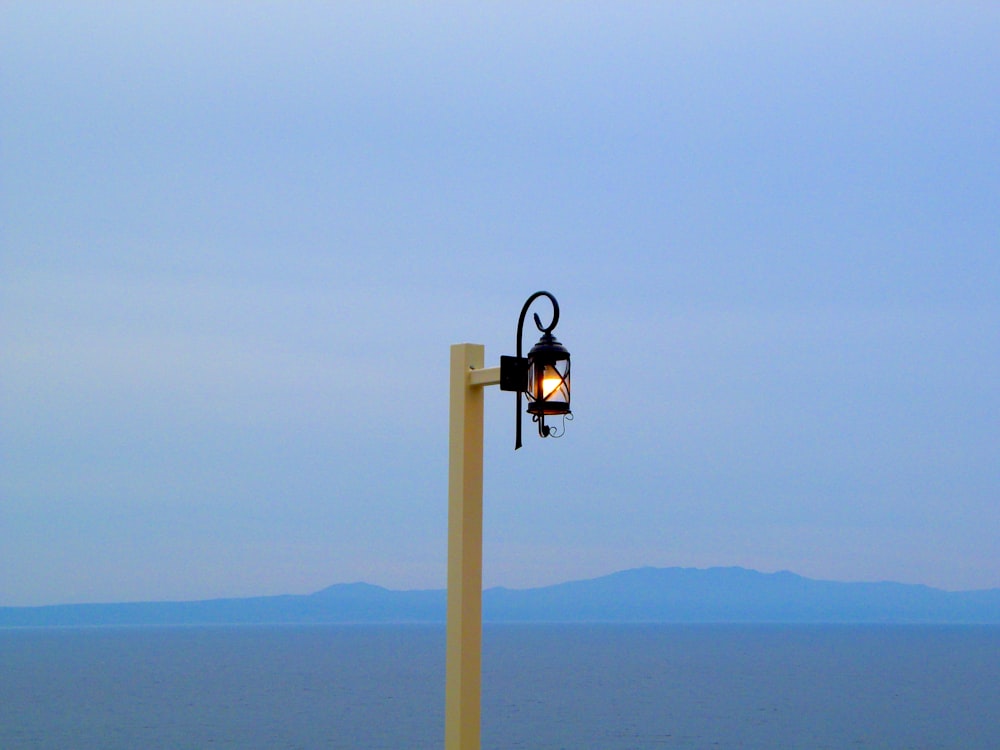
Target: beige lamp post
[[543, 377]]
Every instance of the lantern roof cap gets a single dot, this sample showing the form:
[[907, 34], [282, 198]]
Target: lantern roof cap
[[548, 344]]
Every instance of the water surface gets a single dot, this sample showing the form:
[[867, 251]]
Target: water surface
[[607, 687]]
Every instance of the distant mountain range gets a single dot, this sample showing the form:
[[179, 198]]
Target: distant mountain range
[[668, 595]]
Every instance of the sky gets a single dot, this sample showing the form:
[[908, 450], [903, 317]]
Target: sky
[[238, 239]]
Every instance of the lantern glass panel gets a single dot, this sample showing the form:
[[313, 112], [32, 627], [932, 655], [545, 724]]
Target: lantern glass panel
[[548, 387]]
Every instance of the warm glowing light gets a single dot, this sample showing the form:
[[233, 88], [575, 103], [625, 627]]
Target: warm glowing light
[[550, 384], [554, 386]]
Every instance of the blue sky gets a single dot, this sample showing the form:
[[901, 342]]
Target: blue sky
[[238, 239]]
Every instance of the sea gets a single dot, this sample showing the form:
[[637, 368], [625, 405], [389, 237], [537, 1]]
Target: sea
[[558, 687]]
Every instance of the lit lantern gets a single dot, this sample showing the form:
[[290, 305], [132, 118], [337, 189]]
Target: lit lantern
[[543, 375], [548, 379]]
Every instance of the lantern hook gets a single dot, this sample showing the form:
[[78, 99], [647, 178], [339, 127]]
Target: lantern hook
[[538, 321]]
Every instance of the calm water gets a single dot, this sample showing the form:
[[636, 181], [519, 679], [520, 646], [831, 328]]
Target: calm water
[[575, 687]]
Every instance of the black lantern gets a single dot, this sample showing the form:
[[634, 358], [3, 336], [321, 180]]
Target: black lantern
[[543, 375]]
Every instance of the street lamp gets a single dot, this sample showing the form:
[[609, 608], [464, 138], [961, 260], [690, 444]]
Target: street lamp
[[543, 378]]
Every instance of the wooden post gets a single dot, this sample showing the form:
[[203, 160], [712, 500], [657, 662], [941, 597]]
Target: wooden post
[[463, 668]]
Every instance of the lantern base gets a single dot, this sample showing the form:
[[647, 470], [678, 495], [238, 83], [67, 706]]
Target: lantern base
[[547, 408]]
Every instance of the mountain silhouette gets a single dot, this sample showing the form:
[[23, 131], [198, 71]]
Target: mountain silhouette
[[668, 595]]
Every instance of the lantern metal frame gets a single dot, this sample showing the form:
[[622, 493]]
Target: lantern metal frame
[[547, 361]]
